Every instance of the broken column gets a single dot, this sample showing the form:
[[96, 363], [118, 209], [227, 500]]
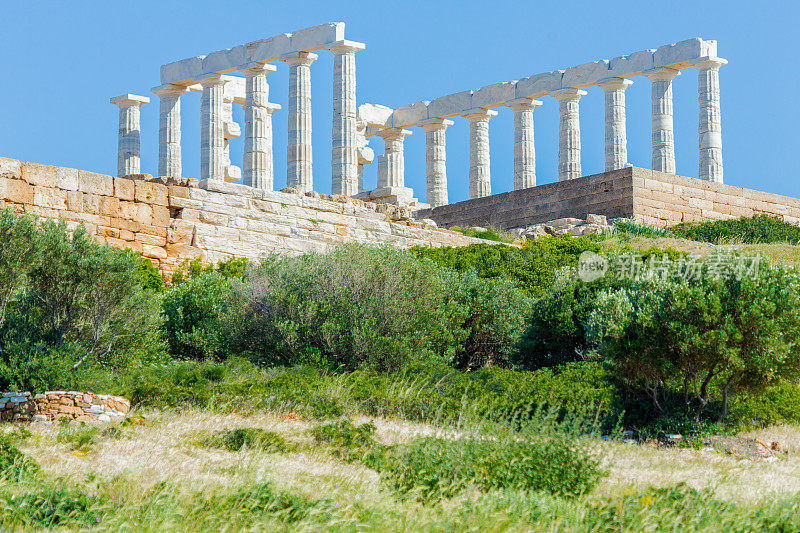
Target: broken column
[[299, 154], [663, 134], [128, 154], [169, 129], [569, 134], [345, 151], [212, 128], [480, 182], [524, 148], [436, 155], [258, 163], [616, 134], [391, 165], [710, 124]]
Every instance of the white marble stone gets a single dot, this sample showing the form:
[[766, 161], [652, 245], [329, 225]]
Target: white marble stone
[[663, 131], [569, 133], [480, 181], [299, 152], [376, 115], [169, 129], [436, 159], [451, 105], [391, 165], [129, 158], [616, 129], [258, 161], [539, 84], [212, 129], [524, 147], [344, 152], [410, 115], [494, 95], [710, 123], [585, 75], [230, 130]]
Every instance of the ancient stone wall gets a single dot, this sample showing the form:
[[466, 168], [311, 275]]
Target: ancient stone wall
[[171, 221], [651, 197], [55, 405]]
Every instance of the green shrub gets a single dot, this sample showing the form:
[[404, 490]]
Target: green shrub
[[488, 234], [259, 439], [349, 442], [752, 230], [631, 227], [52, 508], [262, 499], [231, 269], [779, 404], [15, 465]]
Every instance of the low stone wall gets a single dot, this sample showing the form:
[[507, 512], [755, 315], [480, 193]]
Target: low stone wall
[[56, 405], [651, 197], [172, 220]]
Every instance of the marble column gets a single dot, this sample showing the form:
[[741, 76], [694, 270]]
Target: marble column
[[480, 182], [345, 150], [231, 130], [663, 133], [569, 133], [257, 167], [212, 128], [710, 127], [616, 134], [436, 155], [391, 165], [299, 154], [128, 154], [169, 130], [524, 148]]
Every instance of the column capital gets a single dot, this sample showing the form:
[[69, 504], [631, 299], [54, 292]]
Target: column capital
[[661, 74], [210, 80], [613, 84], [170, 89], [345, 47], [129, 100], [388, 134], [521, 104], [271, 107], [479, 114], [299, 58], [568, 94], [432, 124], [708, 62], [254, 69]]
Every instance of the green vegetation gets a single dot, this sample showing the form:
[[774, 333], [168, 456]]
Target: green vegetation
[[758, 229], [630, 227], [488, 234], [234, 440]]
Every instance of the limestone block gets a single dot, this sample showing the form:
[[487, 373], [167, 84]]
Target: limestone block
[[495, 95], [152, 193], [220, 186], [679, 54], [180, 232], [155, 252], [585, 75], [539, 85], [153, 240], [51, 198], [124, 188], [91, 204], [375, 115], [94, 183], [223, 61], [16, 191], [281, 198], [183, 70], [450, 105], [268, 49], [103, 231], [41, 175], [160, 216], [317, 37], [10, 168], [67, 178], [183, 251], [632, 64]]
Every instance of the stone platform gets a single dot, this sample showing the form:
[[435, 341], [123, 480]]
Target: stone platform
[[651, 197]]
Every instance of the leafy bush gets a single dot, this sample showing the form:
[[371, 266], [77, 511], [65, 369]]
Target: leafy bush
[[753, 230], [79, 438], [631, 227], [488, 234], [51, 508], [260, 439], [15, 465], [262, 499], [349, 441], [230, 269]]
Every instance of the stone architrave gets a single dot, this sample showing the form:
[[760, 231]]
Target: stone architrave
[[258, 111], [169, 130], [391, 165], [299, 153], [663, 132], [710, 123], [345, 109], [212, 128], [480, 181], [569, 135], [436, 158], [128, 157], [524, 148], [616, 134]]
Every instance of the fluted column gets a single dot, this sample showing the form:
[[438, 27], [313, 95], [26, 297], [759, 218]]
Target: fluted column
[[212, 128], [257, 171], [710, 127], [480, 180], [663, 133], [345, 149], [569, 133], [128, 155], [616, 134], [524, 148], [391, 165], [169, 130], [436, 155], [299, 153]]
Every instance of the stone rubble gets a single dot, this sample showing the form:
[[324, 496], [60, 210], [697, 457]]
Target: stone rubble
[[592, 225], [56, 405]]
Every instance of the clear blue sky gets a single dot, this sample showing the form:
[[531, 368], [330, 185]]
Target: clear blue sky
[[62, 61]]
